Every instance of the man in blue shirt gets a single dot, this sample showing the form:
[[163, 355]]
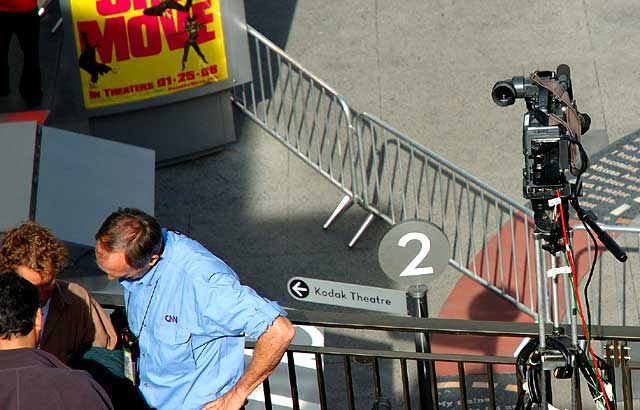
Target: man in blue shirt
[[190, 314]]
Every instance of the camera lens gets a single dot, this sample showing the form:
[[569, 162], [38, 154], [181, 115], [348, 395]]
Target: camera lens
[[503, 93]]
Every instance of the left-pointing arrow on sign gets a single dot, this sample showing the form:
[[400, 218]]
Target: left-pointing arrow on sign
[[299, 288]]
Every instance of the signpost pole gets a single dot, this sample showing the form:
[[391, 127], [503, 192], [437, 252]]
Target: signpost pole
[[417, 307], [413, 253]]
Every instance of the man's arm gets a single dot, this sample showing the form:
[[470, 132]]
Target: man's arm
[[267, 354]]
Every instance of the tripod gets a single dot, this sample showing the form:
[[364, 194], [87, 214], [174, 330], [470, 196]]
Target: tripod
[[549, 308], [556, 352]]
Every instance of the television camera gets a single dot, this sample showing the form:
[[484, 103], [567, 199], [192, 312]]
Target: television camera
[[554, 162], [554, 156], [550, 138]]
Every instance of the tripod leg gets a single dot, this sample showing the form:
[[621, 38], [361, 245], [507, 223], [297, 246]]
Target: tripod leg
[[542, 297], [547, 377], [576, 397]]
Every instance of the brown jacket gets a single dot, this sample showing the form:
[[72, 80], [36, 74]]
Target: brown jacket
[[75, 322]]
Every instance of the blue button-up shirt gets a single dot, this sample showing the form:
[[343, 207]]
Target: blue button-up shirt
[[191, 315]]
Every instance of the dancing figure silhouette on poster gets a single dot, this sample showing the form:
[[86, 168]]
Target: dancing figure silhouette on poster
[[88, 61], [163, 8], [192, 28]]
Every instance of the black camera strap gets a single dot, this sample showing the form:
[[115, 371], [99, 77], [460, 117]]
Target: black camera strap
[[557, 89], [131, 344], [131, 352], [573, 124]]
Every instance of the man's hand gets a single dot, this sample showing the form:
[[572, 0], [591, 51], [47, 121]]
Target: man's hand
[[231, 400]]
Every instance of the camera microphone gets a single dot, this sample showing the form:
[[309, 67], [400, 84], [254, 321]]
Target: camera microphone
[[604, 237]]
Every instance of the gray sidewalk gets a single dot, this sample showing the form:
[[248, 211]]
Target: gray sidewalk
[[426, 68]]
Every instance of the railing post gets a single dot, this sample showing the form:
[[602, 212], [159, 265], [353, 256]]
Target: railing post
[[617, 354], [627, 391]]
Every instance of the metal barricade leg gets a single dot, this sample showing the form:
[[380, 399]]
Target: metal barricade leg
[[363, 227], [345, 203]]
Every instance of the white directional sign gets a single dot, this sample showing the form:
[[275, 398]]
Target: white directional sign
[[413, 252], [348, 295]]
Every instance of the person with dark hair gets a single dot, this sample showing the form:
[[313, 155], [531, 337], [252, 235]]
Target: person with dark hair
[[72, 320], [20, 17], [32, 378], [188, 315]]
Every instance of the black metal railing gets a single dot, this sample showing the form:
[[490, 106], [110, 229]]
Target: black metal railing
[[390, 374]]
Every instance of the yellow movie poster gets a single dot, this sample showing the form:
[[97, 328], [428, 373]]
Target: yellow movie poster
[[131, 50]]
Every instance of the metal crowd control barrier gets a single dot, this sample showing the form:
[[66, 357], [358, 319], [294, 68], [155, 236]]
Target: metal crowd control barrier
[[388, 174], [614, 288], [400, 180], [300, 111], [350, 378], [624, 278]]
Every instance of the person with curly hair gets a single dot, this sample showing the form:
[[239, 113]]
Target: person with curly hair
[[73, 321]]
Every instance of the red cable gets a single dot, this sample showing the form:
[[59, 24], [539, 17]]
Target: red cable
[[575, 289]]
